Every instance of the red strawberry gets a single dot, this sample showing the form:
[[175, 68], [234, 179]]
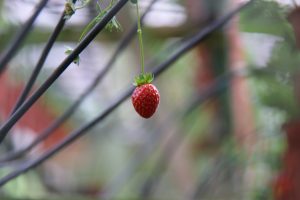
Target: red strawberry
[[145, 99]]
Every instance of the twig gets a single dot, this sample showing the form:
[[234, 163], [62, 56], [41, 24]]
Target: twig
[[66, 115], [189, 44], [40, 62], [60, 69], [215, 170], [219, 84], [11, 50]]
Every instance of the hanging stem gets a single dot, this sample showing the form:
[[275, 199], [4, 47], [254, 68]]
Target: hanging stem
[[140, 35]]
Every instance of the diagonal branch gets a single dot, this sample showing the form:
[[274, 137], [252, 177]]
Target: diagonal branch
[[216, 169], [60, 69], [68, 113], [19, 38], [189, 44]]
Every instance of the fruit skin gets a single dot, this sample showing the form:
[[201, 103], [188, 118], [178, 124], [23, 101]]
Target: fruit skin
[[145, 100]]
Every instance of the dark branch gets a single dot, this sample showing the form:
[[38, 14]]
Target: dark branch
[[60, 69], [219, 84], [189, 44], [19, 38], [68, 113]]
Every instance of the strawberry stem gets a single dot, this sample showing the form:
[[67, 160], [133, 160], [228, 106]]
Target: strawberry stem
[[140, 35]]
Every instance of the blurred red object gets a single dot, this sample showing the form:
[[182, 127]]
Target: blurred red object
[[284, 187], [292, 132], [287, 184], [38, 117], [291, 161]]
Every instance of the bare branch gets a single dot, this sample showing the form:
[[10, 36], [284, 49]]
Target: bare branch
[[19, 38]]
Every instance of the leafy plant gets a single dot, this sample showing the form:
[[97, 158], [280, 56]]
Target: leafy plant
[[276, 80], [276, 86]]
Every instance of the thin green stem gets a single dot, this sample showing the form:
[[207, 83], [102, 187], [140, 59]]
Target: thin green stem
[[140, 34], [96, 19], [89, 27]]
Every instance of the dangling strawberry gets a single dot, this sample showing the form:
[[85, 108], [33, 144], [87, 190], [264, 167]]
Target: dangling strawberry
[[145, 97]]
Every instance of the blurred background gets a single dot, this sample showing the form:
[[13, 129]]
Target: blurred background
[[239, 142]]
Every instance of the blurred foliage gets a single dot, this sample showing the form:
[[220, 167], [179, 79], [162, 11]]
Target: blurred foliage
[[274, 81], [264, 16], [273, 88]]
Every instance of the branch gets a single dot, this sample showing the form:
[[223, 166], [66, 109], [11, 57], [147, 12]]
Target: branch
[[189, 44], [60, 69], [68, 113], [216, 169], [19, 38], [219, 84]]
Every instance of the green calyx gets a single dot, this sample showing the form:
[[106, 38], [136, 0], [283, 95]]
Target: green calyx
[[143, 79]]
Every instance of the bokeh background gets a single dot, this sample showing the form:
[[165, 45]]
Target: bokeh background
[[240, 143]]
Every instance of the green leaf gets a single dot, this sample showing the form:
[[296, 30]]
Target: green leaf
[[113, 24], [133, 1], [69, 51]]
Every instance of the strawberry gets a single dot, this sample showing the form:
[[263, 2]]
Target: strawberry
[[145, 97]]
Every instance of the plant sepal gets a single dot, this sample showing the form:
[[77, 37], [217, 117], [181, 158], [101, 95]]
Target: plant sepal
[[143, 79]]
